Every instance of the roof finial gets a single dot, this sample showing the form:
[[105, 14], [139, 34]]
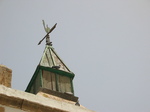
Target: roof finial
[[48, 31]]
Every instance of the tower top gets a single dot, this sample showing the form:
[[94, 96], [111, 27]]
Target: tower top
[[48, 31], [51, 73]]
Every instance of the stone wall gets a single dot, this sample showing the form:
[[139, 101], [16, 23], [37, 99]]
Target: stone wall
[[9, 109], [5, 76], [20, 100]]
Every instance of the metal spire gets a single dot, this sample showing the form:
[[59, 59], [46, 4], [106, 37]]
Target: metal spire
[[48, 31]]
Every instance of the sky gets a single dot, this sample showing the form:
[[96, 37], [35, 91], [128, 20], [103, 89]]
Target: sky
[[106, 43]]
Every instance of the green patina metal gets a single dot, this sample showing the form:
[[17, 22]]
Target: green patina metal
[[52, 57], [51, 73], [58, 57], [49, 59], [32, 80], [57, 72], [51, 49], [60, 72], [71, 79], [41, 77]]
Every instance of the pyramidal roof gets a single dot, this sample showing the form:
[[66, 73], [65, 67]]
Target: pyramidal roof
[[51, 59], [50, 62]]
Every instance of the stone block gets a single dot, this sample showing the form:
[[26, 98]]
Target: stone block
[[5, 76]]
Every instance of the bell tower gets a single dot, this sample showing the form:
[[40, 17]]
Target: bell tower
[[51, 73]]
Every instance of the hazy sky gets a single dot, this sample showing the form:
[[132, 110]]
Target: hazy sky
[[106, 43]]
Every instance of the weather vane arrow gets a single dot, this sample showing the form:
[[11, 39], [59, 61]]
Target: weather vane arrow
[[48, 31]]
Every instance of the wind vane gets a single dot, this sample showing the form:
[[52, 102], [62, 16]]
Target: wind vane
[[48, 31]]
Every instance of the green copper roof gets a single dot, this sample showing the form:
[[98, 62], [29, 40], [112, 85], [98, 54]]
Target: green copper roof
[[50, 59]]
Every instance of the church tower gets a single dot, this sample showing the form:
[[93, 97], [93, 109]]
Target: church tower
[[51, 73]]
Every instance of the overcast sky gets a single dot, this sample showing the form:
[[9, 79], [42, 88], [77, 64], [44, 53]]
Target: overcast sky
[[106, 43]]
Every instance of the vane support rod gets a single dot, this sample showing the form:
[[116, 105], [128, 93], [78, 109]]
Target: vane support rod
[[48, 33]]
